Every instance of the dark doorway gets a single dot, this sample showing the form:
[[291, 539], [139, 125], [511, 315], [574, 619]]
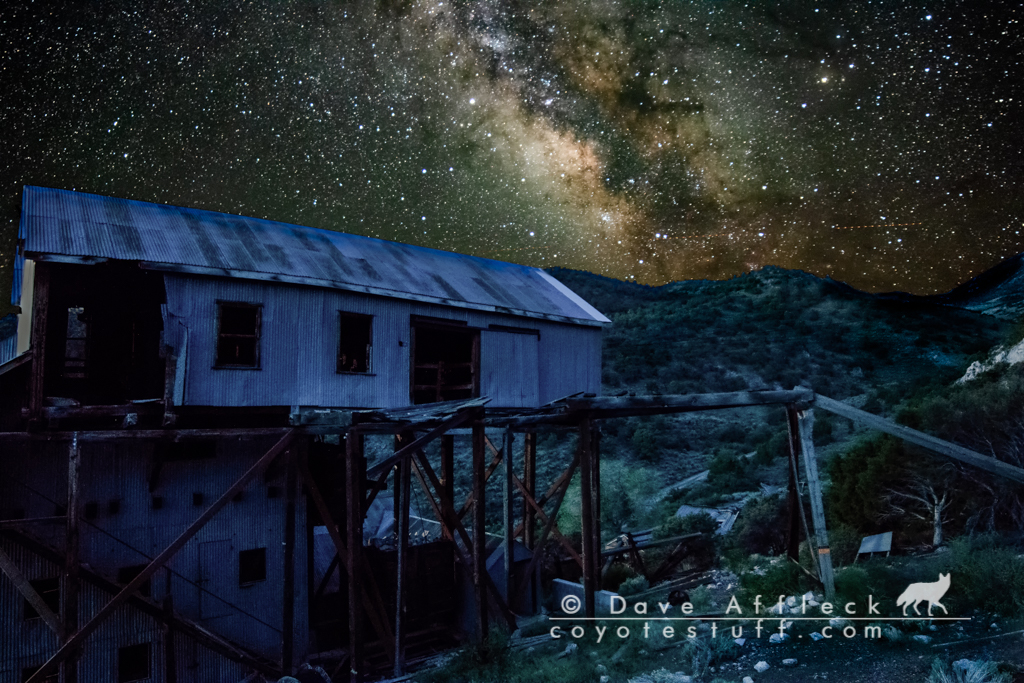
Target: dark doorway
[[445, 361]]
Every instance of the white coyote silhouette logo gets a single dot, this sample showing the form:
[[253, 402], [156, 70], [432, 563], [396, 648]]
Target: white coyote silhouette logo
[[924, 592]]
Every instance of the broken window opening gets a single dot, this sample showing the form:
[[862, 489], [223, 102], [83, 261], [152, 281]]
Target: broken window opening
[[125, 575], [76, 344], [446, 363], [133, 663], [238, 335], [252, 566], [355, 343]]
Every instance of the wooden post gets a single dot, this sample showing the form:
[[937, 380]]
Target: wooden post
[[170, 663], [530, 482], [448, 467], [508, 515], [354, 542], [805, 426], [595, 442], [288, 587], [40, 315], [479, 536], [587, 513], [70, 665], [794, 474], [402, 477], [793, 508]]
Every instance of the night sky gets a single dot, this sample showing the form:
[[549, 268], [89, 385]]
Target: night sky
[[876, 142]]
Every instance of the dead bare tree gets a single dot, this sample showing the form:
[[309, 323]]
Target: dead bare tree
[[925, 498]]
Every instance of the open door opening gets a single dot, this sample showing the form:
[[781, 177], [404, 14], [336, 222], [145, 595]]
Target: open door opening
[[445, 361]]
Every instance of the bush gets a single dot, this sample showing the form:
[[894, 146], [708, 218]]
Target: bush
[[632, 586], [987, 576], [761, 527], [782, 578]]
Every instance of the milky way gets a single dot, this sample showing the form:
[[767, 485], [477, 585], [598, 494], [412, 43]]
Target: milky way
[[876, 142]]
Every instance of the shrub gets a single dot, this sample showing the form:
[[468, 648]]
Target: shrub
[[634, 585], [761, 527]]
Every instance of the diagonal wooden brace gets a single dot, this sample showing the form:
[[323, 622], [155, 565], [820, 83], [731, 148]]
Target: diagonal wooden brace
[[544, 518], [453, 521], [372, 602], [9, 568]]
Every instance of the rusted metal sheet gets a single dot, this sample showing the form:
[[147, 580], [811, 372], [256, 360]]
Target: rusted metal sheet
[[61, 224]]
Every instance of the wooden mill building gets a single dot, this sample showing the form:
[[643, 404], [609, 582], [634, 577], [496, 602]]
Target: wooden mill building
[[166, 356]]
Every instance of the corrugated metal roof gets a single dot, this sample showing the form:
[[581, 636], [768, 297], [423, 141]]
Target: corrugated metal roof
[[62, 223]]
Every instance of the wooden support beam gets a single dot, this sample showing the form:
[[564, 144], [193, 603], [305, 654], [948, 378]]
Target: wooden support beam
[[20, 523], [8, 566], [456, 420], [491, 469], [170, 661], [587, 514], [539, 511], [376, 488], [448, 466], [529, 486], [370, 595], [934, 444], [635, 557], [508, 515], [40, 316], [624, 406], [595, 445], [555, 486], [793, 510], [78, 638], [70, 607], [354, 471], [402, 477], [558, 495], [288, 582], [479, 530], [446, 511], [805, 427]]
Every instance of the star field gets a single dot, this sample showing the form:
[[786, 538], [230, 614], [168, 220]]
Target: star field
[[876, 142]]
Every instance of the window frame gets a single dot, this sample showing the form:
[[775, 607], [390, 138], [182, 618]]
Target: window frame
[[221, 305], [342, 315]]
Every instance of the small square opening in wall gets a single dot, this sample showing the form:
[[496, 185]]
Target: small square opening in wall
[[114, 506], [133, 663], [273, 492], [49, 591], [126, 574], [157, 502], [197, 499], [252, 566], [92, 510]]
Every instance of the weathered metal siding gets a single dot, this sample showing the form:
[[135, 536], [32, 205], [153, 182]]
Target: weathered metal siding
[[247, 614], [133, 532], [299, 343], [509, 367], [570, 361], [60, 222]]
